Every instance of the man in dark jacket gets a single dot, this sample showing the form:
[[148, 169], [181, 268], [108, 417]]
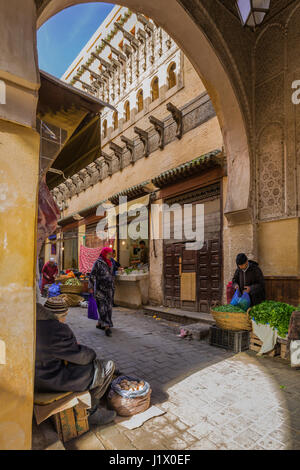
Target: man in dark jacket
[[63, 365], [249, 278]]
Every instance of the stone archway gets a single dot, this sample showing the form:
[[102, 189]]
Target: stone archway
[[19, 152], [216, 65], [201, 52]]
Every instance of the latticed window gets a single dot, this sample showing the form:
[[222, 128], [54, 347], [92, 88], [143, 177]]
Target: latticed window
[[115, 120], [140, 101], [104, 125], [172, 75], [155, 89], [127, 111]]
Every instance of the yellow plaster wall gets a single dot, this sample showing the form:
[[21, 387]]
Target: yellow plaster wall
[[19, 150], [278, 247]]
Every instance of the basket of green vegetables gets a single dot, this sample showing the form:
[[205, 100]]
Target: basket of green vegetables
[[229, 317]]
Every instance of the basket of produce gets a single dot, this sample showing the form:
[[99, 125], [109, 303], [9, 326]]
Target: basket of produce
[[71, 286], [129, 396], [275, 314], [62, 279], [229, 317]]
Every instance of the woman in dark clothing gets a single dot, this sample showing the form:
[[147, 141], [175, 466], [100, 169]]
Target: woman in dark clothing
[[115, 266], [63, 365], [249, 278], [101, 285]]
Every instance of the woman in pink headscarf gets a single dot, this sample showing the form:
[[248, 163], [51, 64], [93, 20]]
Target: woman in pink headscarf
[[101, 285]]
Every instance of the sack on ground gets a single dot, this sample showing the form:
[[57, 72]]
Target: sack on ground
[[128, 402]]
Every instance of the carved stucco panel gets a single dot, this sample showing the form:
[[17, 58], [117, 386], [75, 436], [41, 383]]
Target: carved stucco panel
[[270, 172]]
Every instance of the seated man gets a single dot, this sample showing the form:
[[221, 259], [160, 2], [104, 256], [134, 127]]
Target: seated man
[[63, 365], [249, 278]]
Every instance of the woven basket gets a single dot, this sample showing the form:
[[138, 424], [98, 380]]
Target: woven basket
[[72, 300], [233, 321], [70, 289], [61, 279]]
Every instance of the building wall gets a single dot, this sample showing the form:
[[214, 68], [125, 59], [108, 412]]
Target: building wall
[[278, 247], [197, 142]]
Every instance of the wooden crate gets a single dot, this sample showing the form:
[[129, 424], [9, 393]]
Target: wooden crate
[[256, 344], [71, 423], [283, 346]]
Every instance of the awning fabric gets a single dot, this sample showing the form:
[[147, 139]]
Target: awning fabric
[[63, 110], [82, 149]]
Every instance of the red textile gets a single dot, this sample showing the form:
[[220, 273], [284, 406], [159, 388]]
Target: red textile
[[229, 292], [48, 215], [49, 272], [87, 258], [104, 253]]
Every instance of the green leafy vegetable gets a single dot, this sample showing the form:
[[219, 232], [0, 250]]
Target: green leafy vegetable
[[276, 314], [228, 308]]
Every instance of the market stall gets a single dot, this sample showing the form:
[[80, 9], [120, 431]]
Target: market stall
[[132, 289], [265, 329]]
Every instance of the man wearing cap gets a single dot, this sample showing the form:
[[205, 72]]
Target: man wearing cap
[[249, 278], [49, 272], [63, 365]]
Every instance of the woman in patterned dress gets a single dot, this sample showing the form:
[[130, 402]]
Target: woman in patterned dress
[[101, 285]]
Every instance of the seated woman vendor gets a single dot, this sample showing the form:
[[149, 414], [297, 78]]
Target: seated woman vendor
[[63, 365]]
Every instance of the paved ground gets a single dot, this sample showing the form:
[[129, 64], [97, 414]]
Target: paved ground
[[213, 399]]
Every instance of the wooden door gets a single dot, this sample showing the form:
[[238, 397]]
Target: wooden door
[[172, 254], [209, 275]]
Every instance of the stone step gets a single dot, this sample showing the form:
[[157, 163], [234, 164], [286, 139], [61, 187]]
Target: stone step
[[180, 316]]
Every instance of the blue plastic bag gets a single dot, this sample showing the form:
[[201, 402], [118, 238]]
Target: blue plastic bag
[[242, 301], [235, 298], [92, 308], [54, 290]]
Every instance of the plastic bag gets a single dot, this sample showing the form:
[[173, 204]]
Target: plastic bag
[[54, 290], [92, 309], [242, 301], [129, 403], [235, 298], [126, 393], [129, 406]]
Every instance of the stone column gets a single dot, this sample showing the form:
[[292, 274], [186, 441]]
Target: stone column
[[19, 160], [81, 239], [47, 250], [239, 236], [156, 254]]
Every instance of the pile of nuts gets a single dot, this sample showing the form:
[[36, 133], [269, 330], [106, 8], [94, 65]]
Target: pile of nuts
[[133, 386]]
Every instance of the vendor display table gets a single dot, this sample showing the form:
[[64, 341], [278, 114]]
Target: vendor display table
[[132, 290]]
